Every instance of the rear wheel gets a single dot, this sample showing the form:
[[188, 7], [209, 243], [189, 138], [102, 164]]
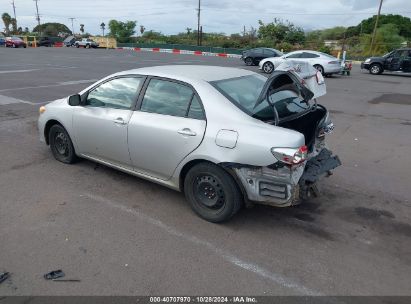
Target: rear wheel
[[375, 69], [61, 145], [268, 67], [249, 61], [77, 45], [319, 68], [212, 192]]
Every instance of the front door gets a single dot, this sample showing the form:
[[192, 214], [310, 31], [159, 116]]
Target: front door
[[101, 122], [169, 126]]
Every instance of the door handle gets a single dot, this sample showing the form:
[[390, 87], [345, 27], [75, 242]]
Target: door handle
[[187, 132], [119, 121]]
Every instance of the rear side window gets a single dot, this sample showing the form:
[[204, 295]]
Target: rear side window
[[171, 98], [298, 55], [309, 55]]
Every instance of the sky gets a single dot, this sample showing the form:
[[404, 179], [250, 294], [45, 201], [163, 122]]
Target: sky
[[227, 16]]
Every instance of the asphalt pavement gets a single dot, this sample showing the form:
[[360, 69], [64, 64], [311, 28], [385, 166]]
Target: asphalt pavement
[[121, 235]]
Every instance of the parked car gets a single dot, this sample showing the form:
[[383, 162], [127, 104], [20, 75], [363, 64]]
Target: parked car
[[44, 41], [254, 56], [87, 43], [2, 41], [69, 41], [395, 61], [15, 42], [324, 63], [209, 132]]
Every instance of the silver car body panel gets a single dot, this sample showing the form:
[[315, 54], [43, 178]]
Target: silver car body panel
[[150, 146]]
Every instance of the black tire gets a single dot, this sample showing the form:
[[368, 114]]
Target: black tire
[[319, 68], [249, 61], [87, 46], [212, 193], [77, 45], [61, 145], [268, 67], [375, 69]]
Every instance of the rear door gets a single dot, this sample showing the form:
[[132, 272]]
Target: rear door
[[168, 125], [100, 123]]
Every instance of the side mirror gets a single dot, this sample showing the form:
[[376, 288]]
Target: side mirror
[[74, 100]]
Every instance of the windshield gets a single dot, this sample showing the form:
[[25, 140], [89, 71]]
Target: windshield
[[16, 39], [387, 55], [244, 92]]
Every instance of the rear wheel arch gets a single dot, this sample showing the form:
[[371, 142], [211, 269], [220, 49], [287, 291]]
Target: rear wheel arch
[[226, 168]]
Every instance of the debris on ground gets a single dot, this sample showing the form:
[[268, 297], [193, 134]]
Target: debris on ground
[[4, 276], [55, 274]]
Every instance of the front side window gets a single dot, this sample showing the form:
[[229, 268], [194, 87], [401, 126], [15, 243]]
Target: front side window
[[119, 93], [309, 55], [171, 98]]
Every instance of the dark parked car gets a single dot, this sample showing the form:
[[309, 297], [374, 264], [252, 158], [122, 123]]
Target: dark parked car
[[2, 41], [254, 56], [15, 42], [44, 41], [395, 61]]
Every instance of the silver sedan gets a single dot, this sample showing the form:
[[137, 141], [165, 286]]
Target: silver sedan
[[225, 137], [324, 63]]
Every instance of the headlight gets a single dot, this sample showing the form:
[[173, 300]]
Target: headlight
[[42, 109], [367, 60]]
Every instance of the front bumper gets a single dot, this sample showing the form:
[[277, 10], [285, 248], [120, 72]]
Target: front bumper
[[283, 186], [365, 66]]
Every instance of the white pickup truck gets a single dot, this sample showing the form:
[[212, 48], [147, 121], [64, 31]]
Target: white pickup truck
[[86, 43]]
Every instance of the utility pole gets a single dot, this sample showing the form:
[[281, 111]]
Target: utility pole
[[38, 15], [198, 24], [72, 25], [14, 10], [375, 28]]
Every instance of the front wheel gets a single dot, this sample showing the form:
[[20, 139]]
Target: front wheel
[[268, 67], [61, 145], [375, 69], [212, 192], [77, 45], [249, 61]]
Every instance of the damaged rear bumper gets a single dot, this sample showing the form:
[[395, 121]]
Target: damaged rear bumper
[[284, 186]]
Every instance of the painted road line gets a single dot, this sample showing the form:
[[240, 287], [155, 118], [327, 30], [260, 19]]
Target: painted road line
[[17, 71], [52, 85], [227, 256], [6, 100]]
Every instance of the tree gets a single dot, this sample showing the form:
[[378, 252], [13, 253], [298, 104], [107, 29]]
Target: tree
[[14, 28], [122, 31], [52, 29], [142, 29], [103, 27], [7, 22], [189, 29], [281, 31], [82, 29], [386, 39]]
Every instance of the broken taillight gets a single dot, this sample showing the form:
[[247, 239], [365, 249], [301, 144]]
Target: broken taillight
[[291, 156]]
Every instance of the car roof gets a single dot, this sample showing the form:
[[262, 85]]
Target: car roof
[[188, 73]]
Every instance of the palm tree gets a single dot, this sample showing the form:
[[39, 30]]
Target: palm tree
[[7, 22], [189, 29], [14, 26], [82, 29], [142, 29], [103, 27]]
